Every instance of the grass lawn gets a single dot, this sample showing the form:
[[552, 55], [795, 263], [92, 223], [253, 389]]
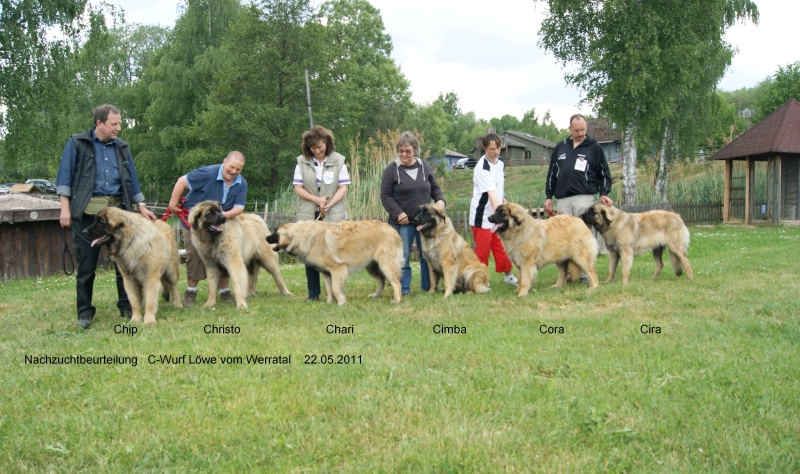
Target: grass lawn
[[715, 390]]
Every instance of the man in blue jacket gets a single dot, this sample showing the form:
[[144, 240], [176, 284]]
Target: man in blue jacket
[[96, 171], [578, 170], [224, 184]]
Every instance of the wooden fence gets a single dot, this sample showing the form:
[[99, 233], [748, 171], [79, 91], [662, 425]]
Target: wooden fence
[[691, 212], [31, 241]]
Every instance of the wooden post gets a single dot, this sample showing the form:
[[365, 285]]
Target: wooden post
[[266, 208], [748, 190], [776, 189], [726, 198]]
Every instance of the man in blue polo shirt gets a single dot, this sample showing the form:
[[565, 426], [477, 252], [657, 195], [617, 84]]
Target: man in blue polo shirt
[[223, 183], [96, 171]]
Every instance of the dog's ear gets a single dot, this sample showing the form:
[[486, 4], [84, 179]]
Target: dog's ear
[[515, 214], [194, 219], [608, 214]]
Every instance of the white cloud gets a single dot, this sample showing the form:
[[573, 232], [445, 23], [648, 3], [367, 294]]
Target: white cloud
[[487, 53]]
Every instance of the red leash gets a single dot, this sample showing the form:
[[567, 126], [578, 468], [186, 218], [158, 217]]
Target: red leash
[[183, 215]]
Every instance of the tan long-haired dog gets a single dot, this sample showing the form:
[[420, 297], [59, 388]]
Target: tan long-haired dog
[[532, 244], [628, 234], [146, 255], [339, 250], [449, 256], [237, 245]]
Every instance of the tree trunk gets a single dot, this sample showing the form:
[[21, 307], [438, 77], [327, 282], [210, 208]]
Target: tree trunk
[[662, 172], [629, 189]]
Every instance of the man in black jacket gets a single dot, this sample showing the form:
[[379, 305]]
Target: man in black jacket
[[578, 170], [96, 170]]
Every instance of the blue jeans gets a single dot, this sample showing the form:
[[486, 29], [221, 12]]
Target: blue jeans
[[409, 234]]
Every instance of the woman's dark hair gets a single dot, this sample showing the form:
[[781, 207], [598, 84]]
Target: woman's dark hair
[[314, 136]]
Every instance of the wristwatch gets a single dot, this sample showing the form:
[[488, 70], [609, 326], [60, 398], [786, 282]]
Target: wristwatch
[[141, 204]]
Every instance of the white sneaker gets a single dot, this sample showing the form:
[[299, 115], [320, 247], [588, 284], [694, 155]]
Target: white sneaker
[[510, 279]]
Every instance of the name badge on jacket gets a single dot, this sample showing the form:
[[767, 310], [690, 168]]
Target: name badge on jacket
[[327, 177], [580, 164]]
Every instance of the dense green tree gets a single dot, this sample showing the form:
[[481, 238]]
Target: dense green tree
[[466, 129], [258, 100], [505, 123], [743, 98], [434, 125], [173, 91], [360, 89], [778, 89], [450, 104], [726, 124], [35, 78], [651, 65], [545, 128]]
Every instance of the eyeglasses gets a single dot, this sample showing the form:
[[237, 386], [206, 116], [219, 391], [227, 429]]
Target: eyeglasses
[[405, 152]]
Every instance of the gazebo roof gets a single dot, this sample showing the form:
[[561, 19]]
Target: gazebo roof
[[778, 132]]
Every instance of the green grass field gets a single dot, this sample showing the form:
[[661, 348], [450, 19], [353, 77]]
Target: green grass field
[[716, 390]]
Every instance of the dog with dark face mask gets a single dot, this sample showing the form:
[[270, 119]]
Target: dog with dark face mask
[[628, 234], [449, 256], [238, 246], [532, 244], [146, 255]]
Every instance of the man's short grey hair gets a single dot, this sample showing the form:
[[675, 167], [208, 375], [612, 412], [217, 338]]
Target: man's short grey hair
[[408, 138], [235, 155], [577, 117], [101, 112]]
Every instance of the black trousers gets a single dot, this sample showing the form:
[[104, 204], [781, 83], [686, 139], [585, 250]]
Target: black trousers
[[312, 276], [87, 257]]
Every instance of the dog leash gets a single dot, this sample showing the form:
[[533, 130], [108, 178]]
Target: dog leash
[[183, 215], [65, 253], [321, 212]]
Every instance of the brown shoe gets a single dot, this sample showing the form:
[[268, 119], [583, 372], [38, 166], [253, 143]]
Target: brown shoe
[[188, 298], [227, 297]]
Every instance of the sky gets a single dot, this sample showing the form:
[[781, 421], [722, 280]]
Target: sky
[[487, 52]]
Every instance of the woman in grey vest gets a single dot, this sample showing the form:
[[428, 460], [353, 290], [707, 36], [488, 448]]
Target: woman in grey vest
[[320, 182]]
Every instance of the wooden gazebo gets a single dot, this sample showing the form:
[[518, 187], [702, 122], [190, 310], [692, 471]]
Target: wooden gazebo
[[776, 141]]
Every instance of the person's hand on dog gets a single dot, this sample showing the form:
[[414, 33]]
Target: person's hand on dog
[[147, 213], [548, 207], [607, 201]]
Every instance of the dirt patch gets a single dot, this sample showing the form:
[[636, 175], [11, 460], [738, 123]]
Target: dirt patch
[[10, 202]]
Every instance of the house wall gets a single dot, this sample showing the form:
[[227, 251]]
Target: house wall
[[613, 151], [539, 154]]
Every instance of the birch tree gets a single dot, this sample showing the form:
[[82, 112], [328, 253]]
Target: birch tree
[[650, 65]]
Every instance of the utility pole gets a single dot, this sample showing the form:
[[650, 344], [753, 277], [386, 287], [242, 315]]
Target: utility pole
[[308, 98]]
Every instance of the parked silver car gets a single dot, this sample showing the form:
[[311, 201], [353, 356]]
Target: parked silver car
[[45, 186], [464, 163]]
